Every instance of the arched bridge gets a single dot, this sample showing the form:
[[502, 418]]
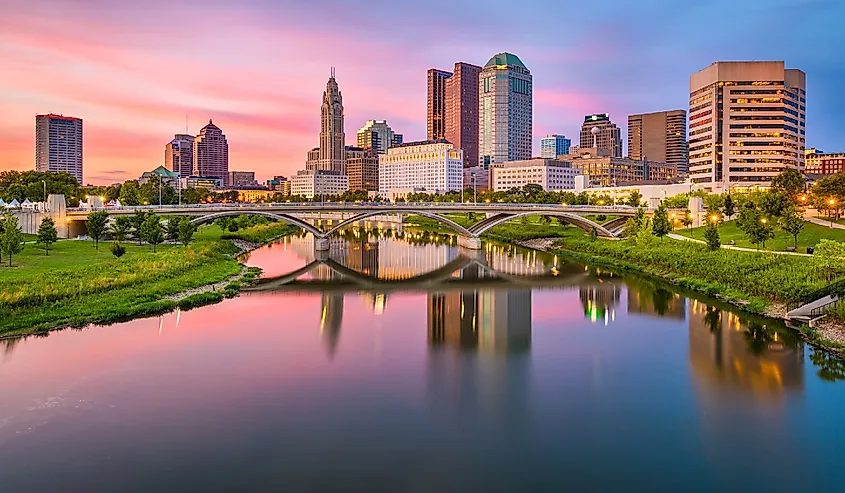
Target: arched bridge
[[441, 278], [468, 236]]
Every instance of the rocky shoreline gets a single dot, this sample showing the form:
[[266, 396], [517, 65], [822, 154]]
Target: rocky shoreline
[[244, 247]]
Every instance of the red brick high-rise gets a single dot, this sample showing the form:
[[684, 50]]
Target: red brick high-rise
[[211, 153], [462, 110]]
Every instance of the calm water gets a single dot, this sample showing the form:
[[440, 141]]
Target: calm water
[[378, 369]]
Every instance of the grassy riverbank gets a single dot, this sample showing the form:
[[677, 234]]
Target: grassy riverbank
[[77, 285], [749, 279], [809, 236]]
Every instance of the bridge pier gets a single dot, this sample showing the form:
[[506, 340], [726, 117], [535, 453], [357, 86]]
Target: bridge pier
[[321, 244], [469, 242]]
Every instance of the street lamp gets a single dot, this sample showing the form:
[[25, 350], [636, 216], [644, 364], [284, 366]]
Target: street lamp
[[763, 220], [832, 203], [714, 218]]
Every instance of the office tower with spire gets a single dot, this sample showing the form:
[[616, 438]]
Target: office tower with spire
[[211, 153], [599, 132], [461, 110], [58, 144], [179, 154], [332, 137], [505, 110]]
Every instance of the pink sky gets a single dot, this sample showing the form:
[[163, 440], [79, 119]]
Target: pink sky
[[134, 70]]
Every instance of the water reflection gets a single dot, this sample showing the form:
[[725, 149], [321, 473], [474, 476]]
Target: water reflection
[[398, 354], [731, 354]]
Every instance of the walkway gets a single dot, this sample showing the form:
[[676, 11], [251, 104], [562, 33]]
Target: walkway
[[822, 222], [740, 249]]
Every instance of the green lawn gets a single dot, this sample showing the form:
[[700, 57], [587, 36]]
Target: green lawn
[[811, 235], [841, 220], [76, 285]]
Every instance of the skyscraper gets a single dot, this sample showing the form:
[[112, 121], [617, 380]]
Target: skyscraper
[[504, 110], [332, 155], [660, 136], [436, 104], [553, 146], [58, 144], [747, 123], [605, 136], [377, 135], [362, 168], [179, 154], [462, 110], [211, 153]]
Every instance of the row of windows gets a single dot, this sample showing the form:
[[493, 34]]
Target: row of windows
[[763, 153], [756, 100]]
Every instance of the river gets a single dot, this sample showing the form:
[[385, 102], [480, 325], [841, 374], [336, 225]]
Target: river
[[378, 369]]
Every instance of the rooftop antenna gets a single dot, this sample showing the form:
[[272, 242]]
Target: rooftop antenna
[[332, 72]]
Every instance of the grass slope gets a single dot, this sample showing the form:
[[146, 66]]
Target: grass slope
[[810, 236]]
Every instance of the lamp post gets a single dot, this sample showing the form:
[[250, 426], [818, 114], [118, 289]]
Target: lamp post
[[45, 191], [832, 203]]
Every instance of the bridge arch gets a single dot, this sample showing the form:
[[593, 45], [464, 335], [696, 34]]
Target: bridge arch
[[279, 217], [480, 228], [452, 224]]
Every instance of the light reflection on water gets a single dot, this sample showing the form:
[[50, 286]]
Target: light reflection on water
[[376, 370]]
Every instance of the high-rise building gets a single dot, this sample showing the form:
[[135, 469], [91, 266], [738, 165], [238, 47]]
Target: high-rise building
[[241, 178], [58, 144], [179, 154], [362, 168], [504, 110], [211, 153], [553, 146], [462, 110], [436, 104], [377, 134], [435, 166], [331, 155], [660, 137], [746, 123], [599, 132], [818, 162]]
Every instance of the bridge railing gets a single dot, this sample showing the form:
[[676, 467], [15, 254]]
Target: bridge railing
[[334, 205]]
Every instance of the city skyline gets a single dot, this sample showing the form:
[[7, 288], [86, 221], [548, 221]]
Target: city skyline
[[102, 63]]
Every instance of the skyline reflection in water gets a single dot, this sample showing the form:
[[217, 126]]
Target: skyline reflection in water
[[377, 370]]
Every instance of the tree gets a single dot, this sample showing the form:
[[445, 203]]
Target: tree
[[755, 225], [96, 224], [830, 255], [686, 219], [186, 231], [729, 207], [789, 183], [661, 226], [32, 185], [171, 228], [47, 234], [121, 227], [594, 235], [117, 249], [138, 221], [151, 230], [11, 241], [772, 203], [711, 235], [130, 193], [792, 222], [635, 198]]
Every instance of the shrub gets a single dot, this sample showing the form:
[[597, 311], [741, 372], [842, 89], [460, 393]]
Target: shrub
[[117, 249]]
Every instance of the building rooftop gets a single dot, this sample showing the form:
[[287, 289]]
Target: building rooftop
[[61, 117], [505, 59], [422, 142]]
